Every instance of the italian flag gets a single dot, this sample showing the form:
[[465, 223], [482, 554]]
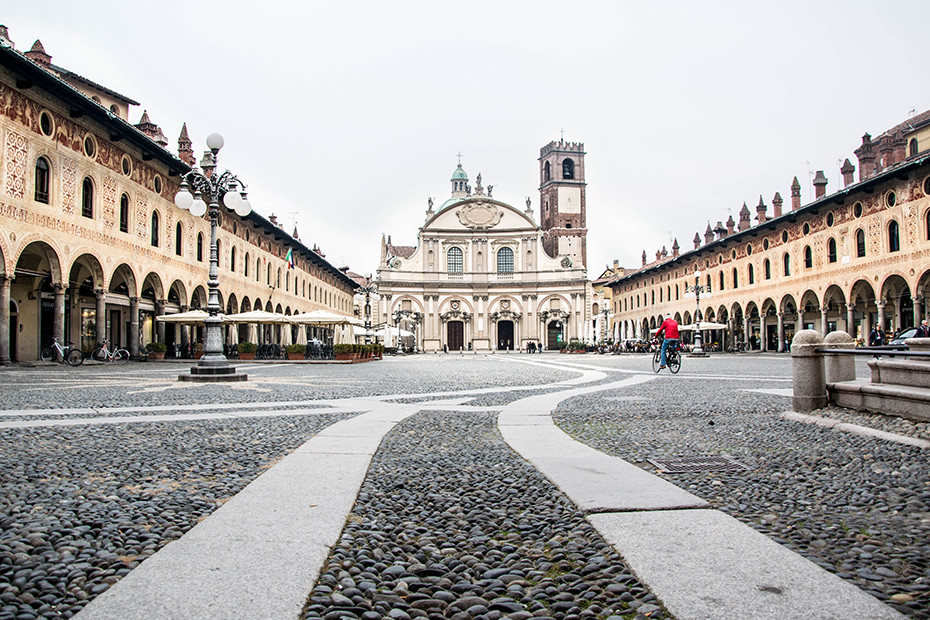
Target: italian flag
[[290, 258]]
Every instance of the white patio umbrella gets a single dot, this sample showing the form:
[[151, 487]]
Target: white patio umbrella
[[285, 335], [253, 333], [256, 316], [704, 326], [393, 332], [191, 316], [301, 334], [233, 337], [322, 317]]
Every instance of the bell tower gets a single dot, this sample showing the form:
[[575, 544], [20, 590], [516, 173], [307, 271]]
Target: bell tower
[[562, 208]]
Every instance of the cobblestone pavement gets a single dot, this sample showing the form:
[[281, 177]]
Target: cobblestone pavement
[[80, 506]]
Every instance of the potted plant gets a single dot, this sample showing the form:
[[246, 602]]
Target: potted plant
[[246, 350], [342, 352], [156, 350], [379, 351], [563, 346], [296, 351]]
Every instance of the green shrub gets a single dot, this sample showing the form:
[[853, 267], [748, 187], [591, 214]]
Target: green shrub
[[247, 347], [342, 348], [296, 348], [156, 347]]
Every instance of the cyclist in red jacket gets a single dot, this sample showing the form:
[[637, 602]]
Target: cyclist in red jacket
[[670, 327]]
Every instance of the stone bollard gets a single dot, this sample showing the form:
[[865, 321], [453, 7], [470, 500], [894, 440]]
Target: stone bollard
[[919, 344], [810, 389], [836, 366]]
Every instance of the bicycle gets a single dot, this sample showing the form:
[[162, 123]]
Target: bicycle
[[672, 359], [70, 354], [104, 354]]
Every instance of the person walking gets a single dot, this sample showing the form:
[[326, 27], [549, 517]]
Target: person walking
[[876, 336], [669, 328], [923, 330]]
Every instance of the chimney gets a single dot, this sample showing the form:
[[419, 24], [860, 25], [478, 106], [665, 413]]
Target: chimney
[[675, 247], [37, 55], [697, 240], [185, 152], [644, 258], [866, 158], [658, 255], [273, 219], [719, 230], [616, 265], [708, 234], [664, 252], [795, 195], [776, 205], [820, 185], [760, 211], [848, 170], [5, 37], [744, 222], [731, 224]]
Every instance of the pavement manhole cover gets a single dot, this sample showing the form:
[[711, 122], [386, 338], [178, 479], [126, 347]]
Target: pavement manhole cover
[[698, 464]]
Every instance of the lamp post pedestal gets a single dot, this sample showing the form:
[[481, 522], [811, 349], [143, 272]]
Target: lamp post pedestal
[[698, 349]]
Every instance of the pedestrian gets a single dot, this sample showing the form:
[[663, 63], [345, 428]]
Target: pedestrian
[[923, 330], [876, 336]]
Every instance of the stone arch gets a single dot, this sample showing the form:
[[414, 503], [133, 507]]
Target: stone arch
[[39, 258], [177, 293], [86, 266], [152, 287], [416, 304], [232, 304], [123, 281], [899, 304], [246, 305], [199, 298]]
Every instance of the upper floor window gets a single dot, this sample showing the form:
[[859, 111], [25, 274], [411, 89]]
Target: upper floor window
[[927, 223], [124, 213], [87, 198], [178, 238], [721, 281], [505, 260], [547, 171], [767, 269], [912, 147], [808, 257], [786, 259], [245, 265], [455, 260], [43, 178], [894, 239], [735, 278], [831, 250], [752, 275], [232, 259], [860, 243], [155, 229], [568, 169], [200, 247]]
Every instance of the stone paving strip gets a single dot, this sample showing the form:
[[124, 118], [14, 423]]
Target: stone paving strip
[[856, 429], [700, 563]]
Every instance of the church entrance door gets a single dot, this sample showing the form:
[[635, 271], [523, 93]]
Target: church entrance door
[[554, 335], [455, 335], [505, 335]]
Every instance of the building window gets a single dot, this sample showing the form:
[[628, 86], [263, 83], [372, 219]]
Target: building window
[[258, 269], [45, 123], [124, 213], [894, 240], [43, 176], [245, 265], [857, 209], [767, 269], [200, 247], [87, 198], [912, 147], [808, 257], [454, 260], [927, 223], [178, 237], [735, 278], [505, 260], [860, 243], [155, 229], [568, 169], [786, 259], [784, 236], [721, 281], [126, 165], [547, 172], [232, 259], [752, 275], [90, 146], [891, 199], [830, 219]]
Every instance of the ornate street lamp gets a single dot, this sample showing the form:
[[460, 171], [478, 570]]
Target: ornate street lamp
[[697, 289], [213, 366], [367, 291], [605, 329]]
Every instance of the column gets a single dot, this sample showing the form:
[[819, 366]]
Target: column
[[823, 322], [134, 326], [185, 332], [4, 320], [781, 332], [101, 318], [881, 314], [747, 336], [915, 300], [160, 325], [58, 322], [850, 320]]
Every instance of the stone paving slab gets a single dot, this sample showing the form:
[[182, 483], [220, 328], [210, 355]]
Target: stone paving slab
[[259, 554], [705, 564]]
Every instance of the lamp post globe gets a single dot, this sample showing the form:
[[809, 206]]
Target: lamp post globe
[[213, 365]]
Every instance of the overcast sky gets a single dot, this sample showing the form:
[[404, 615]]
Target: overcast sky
[[344, 117]]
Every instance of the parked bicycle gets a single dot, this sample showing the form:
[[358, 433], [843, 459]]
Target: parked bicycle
[[58, 353], [672, 359], [104, 354], [737, 347]]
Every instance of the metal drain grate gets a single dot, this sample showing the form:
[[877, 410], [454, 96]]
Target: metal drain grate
[[698, 464]]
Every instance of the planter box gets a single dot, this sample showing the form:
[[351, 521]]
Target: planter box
[[247, 356], [156, 356], [295, 356], [344, 356]]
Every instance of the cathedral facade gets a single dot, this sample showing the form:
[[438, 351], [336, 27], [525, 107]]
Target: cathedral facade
[[484, 275]]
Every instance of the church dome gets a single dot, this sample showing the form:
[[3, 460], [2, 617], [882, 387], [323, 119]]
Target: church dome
[[459, 174]]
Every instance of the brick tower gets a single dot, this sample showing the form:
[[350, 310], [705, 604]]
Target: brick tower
[[562, 200]]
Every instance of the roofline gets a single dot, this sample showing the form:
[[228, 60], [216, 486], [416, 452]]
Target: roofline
[[812, 207], [81, 78], [30, 74]]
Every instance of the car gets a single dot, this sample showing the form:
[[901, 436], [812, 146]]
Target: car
[[910, 332]]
